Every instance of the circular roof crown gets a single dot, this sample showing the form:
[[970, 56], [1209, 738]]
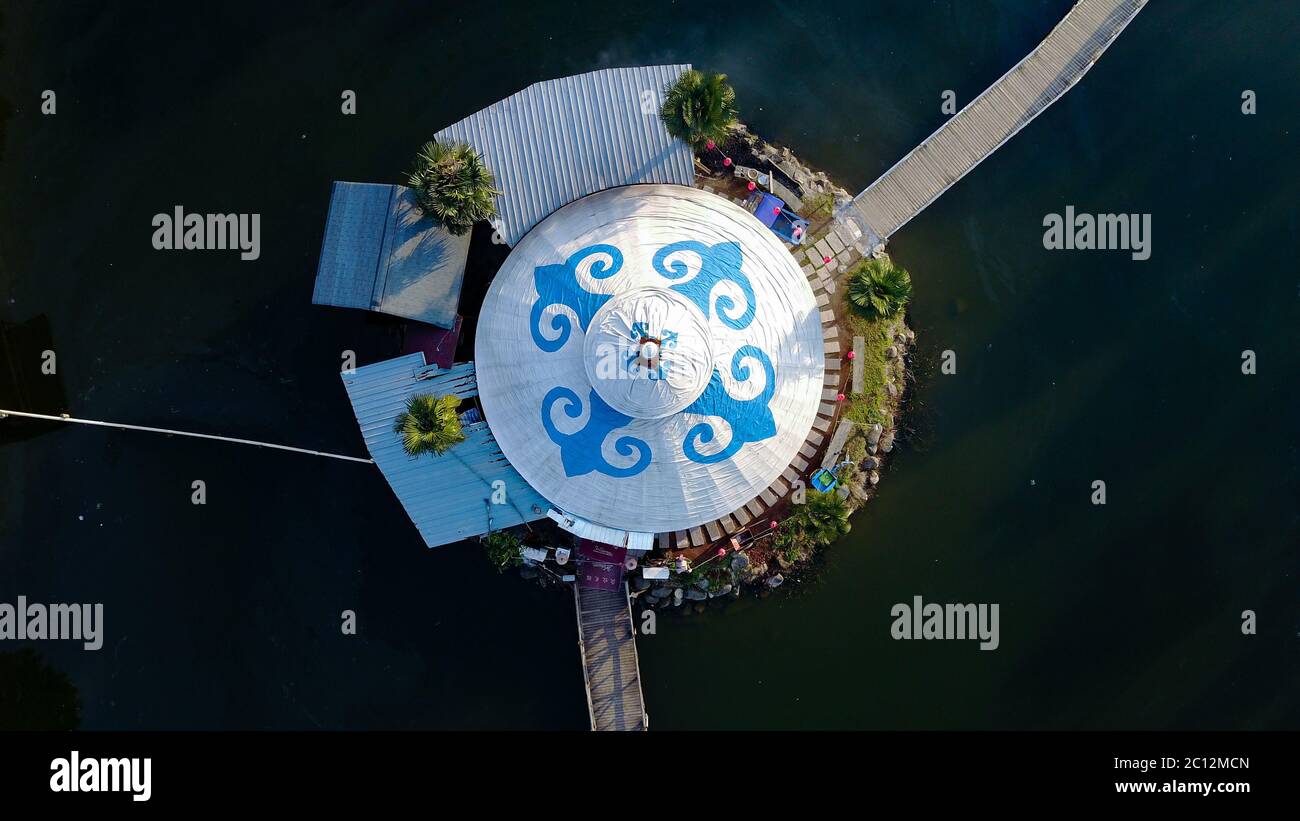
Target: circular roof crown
[[650, 357], [648, 353]]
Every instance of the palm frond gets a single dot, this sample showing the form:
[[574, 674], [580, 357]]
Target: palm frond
[[453, 186], [699, 107], [429, 424], [879, 289]]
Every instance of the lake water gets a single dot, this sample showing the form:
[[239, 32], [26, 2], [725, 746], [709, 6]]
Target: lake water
[[1072, 367]]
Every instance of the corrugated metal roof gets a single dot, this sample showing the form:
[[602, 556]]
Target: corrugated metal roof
[[448, 496], [578, 526], [381, 254], [560, 140]]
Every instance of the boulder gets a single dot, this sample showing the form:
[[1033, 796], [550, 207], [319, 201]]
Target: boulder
[[870, 463], [776, 581], [891, 352], [887, 443], [874, 478], [677, 597], [873, 435], [739, 562], [726, 588], [640, 583], [696, 595]]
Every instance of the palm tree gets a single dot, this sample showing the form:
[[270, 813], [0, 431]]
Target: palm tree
[[823, 517], [429, 424], [699, 107], [502, 550], [453, 185], [879, 289]]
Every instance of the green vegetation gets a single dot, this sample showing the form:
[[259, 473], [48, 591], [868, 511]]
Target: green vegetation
[[879, 289], [35, 696], [819, 205], [453, 185], [820, 520], [502, 550], [429, 424], [699, 107], [873, 405]]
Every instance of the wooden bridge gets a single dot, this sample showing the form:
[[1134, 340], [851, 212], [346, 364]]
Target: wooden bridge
[[609, 662], [991, 119]]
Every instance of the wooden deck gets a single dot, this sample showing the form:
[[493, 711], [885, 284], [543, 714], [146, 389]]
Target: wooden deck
[[992, 118], [609, 661]]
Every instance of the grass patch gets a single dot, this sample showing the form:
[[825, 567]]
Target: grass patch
[[874, 405]]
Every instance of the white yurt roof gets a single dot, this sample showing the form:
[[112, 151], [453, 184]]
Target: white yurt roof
[[650, 357]]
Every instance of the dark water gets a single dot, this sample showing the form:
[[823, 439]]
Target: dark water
[[1071, 367]]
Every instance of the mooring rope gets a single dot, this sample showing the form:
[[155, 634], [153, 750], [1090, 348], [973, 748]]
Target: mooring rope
[[122, 426]]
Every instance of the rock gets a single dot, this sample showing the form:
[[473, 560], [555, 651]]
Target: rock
[[776, 581], [726, 588], [870, 463], [891, 352], [677, 597], [874, 478], [873, 435], [696, 595], [887, 444], [640, 583], [739, 562], [890, 389]]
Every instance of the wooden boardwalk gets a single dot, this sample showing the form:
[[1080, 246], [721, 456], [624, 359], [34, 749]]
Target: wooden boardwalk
[[988, 121], [609, 662]]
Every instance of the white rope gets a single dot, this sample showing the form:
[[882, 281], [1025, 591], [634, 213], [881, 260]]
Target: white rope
[[120, 426]]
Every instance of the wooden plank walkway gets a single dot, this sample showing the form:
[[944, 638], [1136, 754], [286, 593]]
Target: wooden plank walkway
[[609, 661], [991, 119]]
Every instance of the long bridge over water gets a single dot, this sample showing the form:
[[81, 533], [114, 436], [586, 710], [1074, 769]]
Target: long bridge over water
[[988, 121]]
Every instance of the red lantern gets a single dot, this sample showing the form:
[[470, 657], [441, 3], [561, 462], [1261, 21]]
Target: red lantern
[[750, 187], [772, 524], [826, 260], [722, 551], [726, 161], [839, 397], [709, 145], [850, 354], [776, 211]]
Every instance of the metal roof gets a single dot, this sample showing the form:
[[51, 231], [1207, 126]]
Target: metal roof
[[380, 253], [560, 140], [448, 497], [580, 527]]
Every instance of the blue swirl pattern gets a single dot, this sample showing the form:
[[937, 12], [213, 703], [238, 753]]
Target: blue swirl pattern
[[719, 263], [580, 452], [750, 420], [558, 285]]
